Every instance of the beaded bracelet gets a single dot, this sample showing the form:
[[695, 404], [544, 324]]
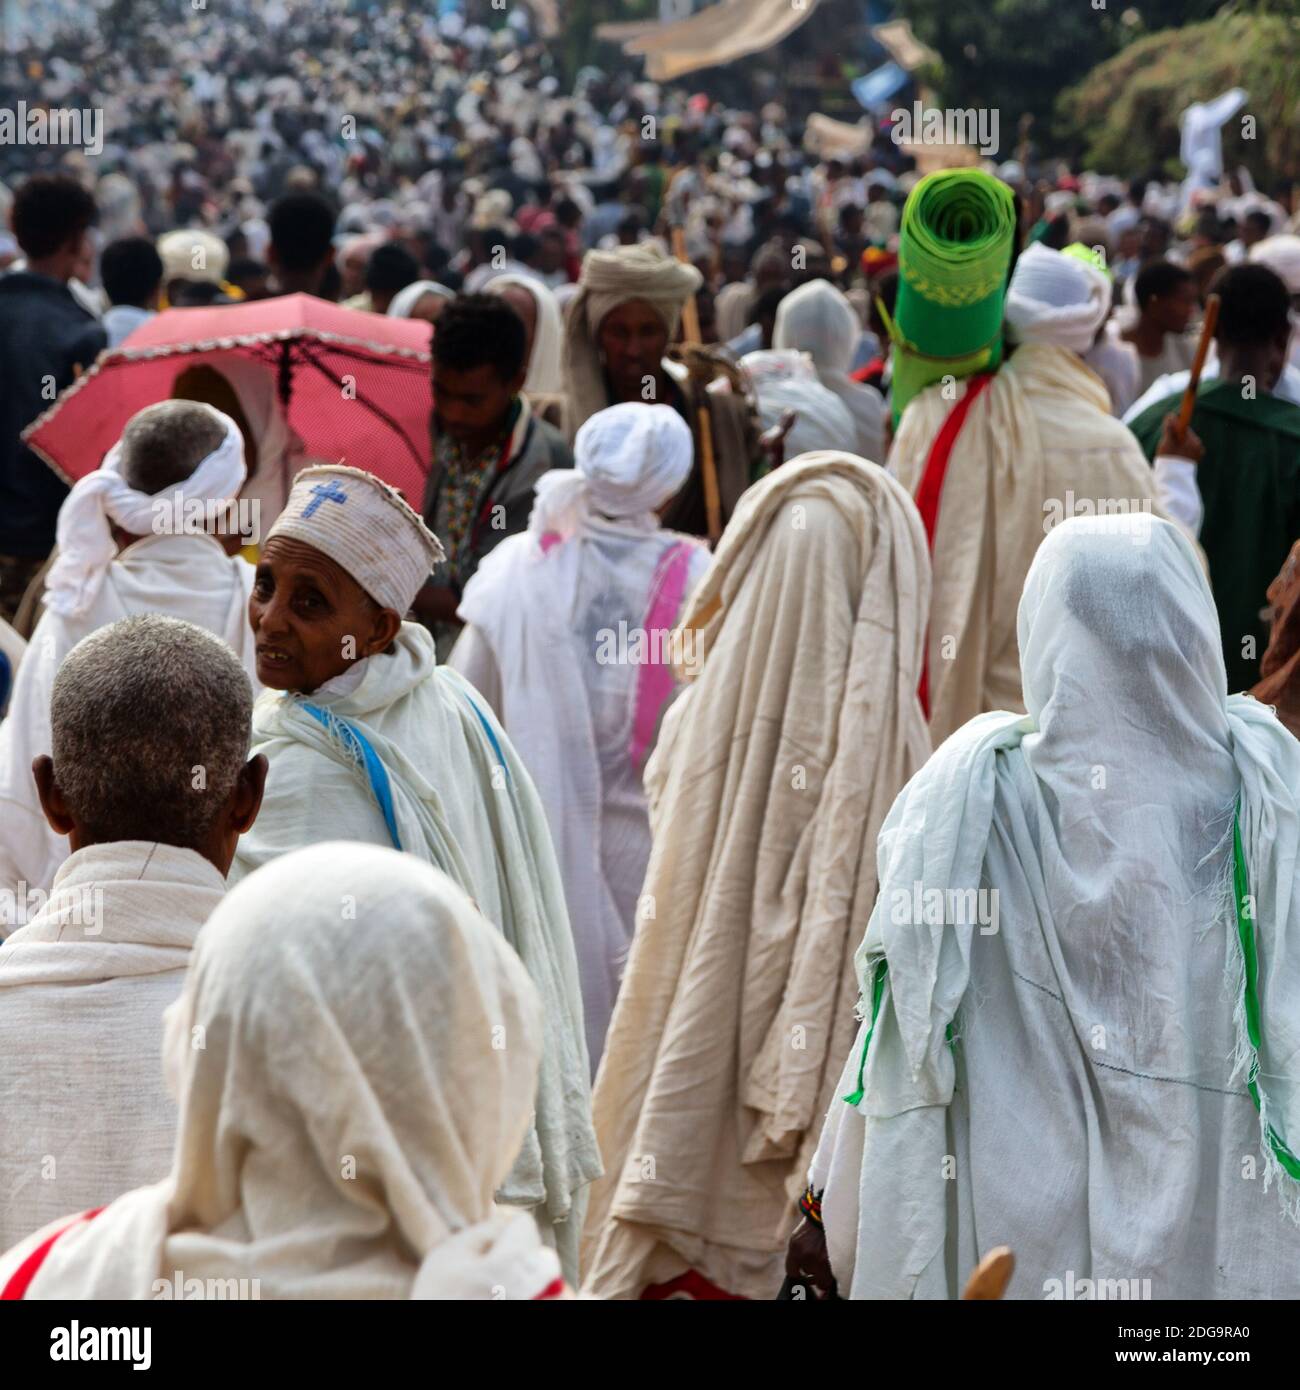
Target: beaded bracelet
[[811, 1206]]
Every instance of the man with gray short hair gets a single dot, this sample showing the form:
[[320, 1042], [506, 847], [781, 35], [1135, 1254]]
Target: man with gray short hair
[[150, 780], [147, 532]]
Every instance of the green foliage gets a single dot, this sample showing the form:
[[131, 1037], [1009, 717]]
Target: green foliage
[[1014, 56], [1124, 114]]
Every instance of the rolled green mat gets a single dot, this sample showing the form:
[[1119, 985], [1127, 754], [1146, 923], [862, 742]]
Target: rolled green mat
[[954, 249]]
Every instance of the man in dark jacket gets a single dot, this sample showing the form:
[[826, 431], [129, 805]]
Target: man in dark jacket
[[489, 449], [46, 337]]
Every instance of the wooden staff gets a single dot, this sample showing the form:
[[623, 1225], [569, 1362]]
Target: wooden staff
[[708, 464], [1203, 347]]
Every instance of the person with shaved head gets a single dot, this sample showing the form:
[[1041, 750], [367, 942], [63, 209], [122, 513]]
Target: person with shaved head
[[146, 780]]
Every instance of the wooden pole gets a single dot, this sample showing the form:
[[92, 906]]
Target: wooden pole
[[708, 462], [991, 1277], [1202, 348]]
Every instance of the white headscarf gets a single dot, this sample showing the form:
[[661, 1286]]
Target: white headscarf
[[84, 531], [404, 301], [817, 319], [628, 460], [355, 1058], [1103, 822], [1057, 299], [545, 376]]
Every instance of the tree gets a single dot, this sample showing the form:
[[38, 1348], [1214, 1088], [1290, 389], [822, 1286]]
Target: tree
[[1124, 114], [1014, 56]]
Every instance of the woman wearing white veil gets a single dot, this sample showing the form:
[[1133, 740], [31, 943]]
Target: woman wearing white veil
[[1080, 980], [544, 384], [352, 1088]]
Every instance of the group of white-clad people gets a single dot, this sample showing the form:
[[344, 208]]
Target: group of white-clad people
[[606, 956]]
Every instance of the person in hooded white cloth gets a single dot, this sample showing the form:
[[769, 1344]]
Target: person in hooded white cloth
[[424, 299], [774, 769], [369, 739], [786, 383], [1037, 444], [537, 305], [84, 982], [567, 637], [817, 319], [135, 536], [303, 1075], [1080, 1039]]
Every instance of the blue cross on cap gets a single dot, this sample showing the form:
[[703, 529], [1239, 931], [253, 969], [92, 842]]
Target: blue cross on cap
[[324, 492]]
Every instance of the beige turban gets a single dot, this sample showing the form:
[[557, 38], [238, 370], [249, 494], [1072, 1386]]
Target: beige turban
[[611, 278]]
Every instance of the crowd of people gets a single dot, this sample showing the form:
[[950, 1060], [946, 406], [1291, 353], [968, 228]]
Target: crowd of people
[[794, 803]]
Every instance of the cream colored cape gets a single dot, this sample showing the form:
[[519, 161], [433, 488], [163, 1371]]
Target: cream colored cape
[[83, 986], [1038, 445], [772, 775]]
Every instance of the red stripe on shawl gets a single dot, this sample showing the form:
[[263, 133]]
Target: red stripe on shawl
[[694, 1285], [927, 495], [22, 1277]]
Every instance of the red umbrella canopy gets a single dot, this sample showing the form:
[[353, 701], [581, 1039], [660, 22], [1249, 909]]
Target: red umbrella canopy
[[355, 387]]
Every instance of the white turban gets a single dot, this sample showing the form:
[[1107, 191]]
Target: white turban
[[84, 531], [611, 278], [1057, 299], [193, 255], [1280, 254], [628, 461], [404, 301], [364, 526]]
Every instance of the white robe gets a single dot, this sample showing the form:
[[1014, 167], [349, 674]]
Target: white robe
[[539, 627], [1064, 1068], [475, 816], [83, 986], [182, 576]]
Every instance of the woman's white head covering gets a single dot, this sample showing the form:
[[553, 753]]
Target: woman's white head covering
[[354, 1059], [1056, 299], [364, 526], [545, 377], [1106, 816], [817, 319], [404, 301], [84, 530], [628, 460]]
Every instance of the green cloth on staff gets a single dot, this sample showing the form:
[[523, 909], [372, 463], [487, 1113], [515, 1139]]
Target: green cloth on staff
[[955, 243]]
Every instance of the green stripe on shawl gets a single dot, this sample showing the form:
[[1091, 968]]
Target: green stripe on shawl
[[954, 251]]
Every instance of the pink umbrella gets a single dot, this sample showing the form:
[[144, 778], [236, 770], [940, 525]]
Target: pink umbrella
[[356, 387]]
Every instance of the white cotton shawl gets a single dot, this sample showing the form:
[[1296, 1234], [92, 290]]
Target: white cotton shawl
[[772, 774], [1091, 1110], [475, 816], [360, 1085], [186, 577], [817, 319], [84, 535], [545, 371], [83, 986], [542, 618], [404, 301], [1039, 444]]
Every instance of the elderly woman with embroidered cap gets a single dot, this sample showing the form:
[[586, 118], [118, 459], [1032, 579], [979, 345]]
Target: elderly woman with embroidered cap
[[403, 1038], [369, 739], [569, 640], [1079, 984], [617, 331]]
